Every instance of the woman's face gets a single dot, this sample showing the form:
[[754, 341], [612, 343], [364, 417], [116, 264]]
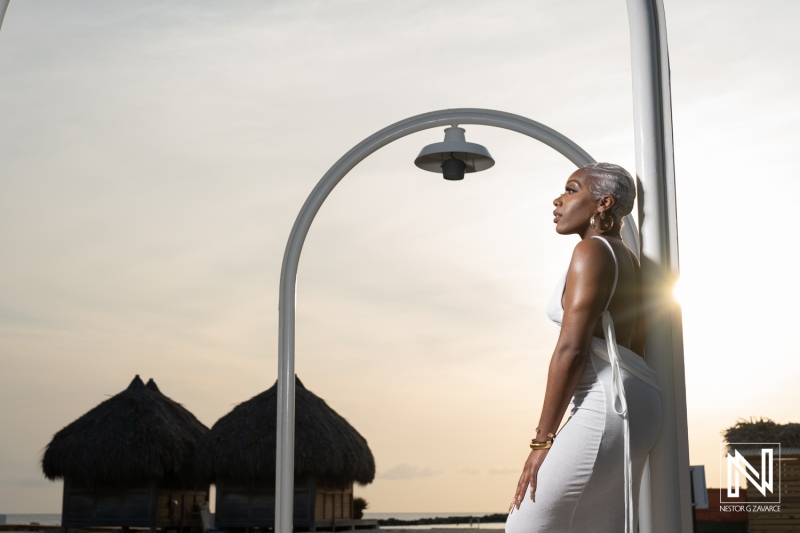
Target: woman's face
[[575, 206]]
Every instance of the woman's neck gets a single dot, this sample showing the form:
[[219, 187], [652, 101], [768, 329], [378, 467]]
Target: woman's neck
[[613, 233]]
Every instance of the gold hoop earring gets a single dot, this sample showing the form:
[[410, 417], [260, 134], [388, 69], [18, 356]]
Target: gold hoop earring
[[598, 229]]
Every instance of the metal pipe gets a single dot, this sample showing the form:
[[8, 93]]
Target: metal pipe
[[284, 482], [3, 8], [669, 458]]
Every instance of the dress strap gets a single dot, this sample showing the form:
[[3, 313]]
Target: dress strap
[[616, 268], [620, 405]]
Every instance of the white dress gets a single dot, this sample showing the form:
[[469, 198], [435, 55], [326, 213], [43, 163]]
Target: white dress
[[589, 480]]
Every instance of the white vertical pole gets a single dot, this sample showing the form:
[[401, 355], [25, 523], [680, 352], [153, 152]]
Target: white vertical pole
[[3, 8], [669, 459], [645, 501]]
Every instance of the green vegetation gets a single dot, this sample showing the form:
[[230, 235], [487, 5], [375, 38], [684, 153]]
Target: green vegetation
[[359, 504]]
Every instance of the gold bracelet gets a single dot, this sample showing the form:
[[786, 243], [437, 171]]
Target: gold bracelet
[[538, 445]]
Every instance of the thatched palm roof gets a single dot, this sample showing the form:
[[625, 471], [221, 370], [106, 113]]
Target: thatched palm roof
[[241, 445], [764, 430], [139, 434]]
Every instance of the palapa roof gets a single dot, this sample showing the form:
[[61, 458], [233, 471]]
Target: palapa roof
[[765, 430], [137, 435], [241, 445]]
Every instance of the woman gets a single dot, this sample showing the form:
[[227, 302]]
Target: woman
[[587, 478]]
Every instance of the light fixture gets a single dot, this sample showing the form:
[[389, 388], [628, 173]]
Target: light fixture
[[454, 156]]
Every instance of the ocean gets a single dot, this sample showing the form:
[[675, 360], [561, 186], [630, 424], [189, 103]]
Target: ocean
[[41, 519], [416, 516], [52, 519]]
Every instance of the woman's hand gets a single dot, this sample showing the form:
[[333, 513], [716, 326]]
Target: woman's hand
[[529, 472]]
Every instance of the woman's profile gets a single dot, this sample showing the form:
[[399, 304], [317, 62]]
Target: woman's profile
[[585, 477]]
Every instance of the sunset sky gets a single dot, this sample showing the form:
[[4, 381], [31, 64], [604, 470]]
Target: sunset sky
[[154, 155]]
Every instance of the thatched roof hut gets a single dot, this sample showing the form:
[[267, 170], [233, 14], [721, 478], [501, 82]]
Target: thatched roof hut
[[241, 445], [238, 455], [136, 435], [765, 430], [129, 462]]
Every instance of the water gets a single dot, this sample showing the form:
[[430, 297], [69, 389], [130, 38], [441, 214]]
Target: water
[[52, 519], [417, 516], [49, 519], [486, 525]]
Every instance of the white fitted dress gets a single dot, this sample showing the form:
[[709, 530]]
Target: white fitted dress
[[589, 480]]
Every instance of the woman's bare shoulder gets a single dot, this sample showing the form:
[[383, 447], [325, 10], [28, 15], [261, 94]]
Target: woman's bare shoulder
[[591, 263], [590, 253]]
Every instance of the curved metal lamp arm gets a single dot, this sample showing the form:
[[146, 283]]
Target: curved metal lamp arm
[[3, 8], [284, 483]]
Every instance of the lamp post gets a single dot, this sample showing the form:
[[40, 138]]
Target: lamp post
[[429, 156], [670, 498]]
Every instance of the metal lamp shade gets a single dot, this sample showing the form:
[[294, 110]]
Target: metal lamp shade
[[455, 146]]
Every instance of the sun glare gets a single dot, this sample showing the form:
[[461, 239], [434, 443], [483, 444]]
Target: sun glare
[[677, 292]]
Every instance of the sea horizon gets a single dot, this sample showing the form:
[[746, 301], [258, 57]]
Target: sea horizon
[[54, 519], [417, 516], [467, 523]]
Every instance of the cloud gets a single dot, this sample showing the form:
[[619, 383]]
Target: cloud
[[406, 471]]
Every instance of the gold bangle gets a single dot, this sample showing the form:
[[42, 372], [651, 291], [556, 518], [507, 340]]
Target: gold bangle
[[551, 435], [539, 445]]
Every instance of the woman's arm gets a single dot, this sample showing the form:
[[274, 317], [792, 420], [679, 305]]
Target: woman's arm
[[589, 280]]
